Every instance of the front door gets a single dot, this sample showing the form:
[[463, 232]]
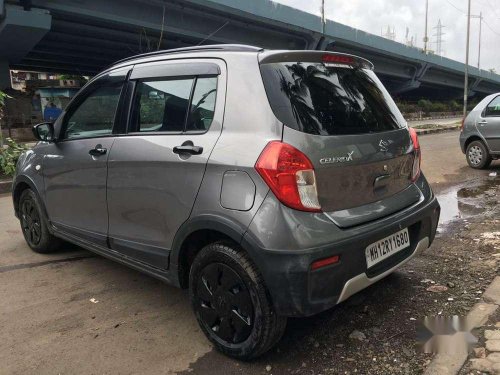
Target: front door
[[489, 125], [75, 167], [155, 171]]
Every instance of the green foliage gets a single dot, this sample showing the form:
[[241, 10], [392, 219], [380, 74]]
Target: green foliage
[[9, 155], [425, 105], [3, 97]]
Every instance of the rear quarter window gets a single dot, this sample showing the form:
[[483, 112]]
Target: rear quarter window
[[329, 99]]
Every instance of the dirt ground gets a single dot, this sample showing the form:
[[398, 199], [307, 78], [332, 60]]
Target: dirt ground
[[73, 312]]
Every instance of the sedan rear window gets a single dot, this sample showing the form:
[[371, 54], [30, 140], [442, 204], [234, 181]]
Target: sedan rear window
[[329, 99]]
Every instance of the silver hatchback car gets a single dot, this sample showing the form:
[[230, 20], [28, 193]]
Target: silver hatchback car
[[480, 135], [272, 184]]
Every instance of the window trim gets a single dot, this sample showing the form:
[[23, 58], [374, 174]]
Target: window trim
[[485, 111], [82, 97]]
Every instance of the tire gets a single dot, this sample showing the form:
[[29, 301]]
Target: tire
[[477, 155], [231, 302], [34, 224]]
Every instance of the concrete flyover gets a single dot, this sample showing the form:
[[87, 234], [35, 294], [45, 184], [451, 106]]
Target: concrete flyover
[[84, 36]]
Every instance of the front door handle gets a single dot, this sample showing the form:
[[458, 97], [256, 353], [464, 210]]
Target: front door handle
[[98, 150], [483, 122], [188, 149]]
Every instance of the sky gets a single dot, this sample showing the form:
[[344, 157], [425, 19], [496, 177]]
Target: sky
[[375, 16]]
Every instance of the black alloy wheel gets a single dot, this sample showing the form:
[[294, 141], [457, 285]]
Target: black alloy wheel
[[224, 303], [30, 222]]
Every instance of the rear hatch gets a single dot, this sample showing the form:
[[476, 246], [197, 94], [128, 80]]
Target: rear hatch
[[337, 112]]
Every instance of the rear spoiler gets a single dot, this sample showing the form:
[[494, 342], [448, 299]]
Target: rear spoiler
[[269, 57]]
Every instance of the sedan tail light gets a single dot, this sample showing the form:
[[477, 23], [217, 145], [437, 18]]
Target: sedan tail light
[[290, 175], [417, 155]]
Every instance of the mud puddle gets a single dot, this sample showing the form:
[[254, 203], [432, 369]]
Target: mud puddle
[[468, 200]]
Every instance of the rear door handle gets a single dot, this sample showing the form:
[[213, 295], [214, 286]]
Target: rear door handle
[[98, 150], [188, 149]]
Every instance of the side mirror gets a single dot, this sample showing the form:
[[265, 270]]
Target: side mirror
[[44, 132]]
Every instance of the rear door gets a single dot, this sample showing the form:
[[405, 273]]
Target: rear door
[[337, 112], [489, 124], [155, 170]]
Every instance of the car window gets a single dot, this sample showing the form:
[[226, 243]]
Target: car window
[[329, 99], [202, 108], [493, 109], [161, 106], [95, 116]]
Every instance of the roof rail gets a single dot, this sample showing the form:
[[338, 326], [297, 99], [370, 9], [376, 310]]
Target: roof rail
[[220, 47]]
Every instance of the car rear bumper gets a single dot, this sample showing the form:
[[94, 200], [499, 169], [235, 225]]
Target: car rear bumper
[[297, 291]]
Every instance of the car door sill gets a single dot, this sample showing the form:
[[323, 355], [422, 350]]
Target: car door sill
[[113, 255]]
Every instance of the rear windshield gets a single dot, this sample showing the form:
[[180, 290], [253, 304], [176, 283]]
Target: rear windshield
[[329, 99]]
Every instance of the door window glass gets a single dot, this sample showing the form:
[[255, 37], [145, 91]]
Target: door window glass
[[161, 106], [95, 116], [493, 109], [203, 104]]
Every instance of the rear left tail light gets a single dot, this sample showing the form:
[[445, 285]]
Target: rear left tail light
[[290, 175], [417, 159]]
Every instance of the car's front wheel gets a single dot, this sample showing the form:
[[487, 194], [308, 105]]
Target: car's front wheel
[[231, 302], [477, 155], [34, 224]]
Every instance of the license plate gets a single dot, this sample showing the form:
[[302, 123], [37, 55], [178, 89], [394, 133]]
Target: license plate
[[383, 249]]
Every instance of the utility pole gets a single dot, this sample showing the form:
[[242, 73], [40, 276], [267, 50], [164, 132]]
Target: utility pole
[[480, 17], [426, 37], [466, 83], [323, 19]]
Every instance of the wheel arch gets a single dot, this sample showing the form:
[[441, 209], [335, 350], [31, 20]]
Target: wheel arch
[[472, 138], [194, 235], [22, 183]]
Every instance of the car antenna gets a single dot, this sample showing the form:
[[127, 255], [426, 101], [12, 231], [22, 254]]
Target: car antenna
[[212, 34]]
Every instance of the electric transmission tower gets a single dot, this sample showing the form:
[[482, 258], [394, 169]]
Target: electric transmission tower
[[390, 34], [439, 38]]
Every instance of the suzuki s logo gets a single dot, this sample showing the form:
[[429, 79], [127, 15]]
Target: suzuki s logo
[[384, 145], [337, 159]]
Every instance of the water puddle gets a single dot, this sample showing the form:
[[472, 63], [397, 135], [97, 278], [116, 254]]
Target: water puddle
[[467, 200]]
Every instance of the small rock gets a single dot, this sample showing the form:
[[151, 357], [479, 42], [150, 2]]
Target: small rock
[[339, 345], [93, 300], [450, 299], [480, 352], [316, 344], [413, 319], [357, 335], [493, 345], [449, 284], [427, 281], [492, 335], [437, 288], [481, 364], [304, 364], [494, 357], [268, 368]]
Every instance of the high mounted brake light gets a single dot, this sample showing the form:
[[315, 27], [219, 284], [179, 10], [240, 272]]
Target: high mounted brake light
[[290, 175], [338, 59]]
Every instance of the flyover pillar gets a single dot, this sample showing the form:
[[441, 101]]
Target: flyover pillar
[[4, 74]]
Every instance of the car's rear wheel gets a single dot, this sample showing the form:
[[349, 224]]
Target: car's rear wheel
[[477, 155], [231, 302], [34, 224]]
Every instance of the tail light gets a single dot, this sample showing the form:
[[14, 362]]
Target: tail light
[[290, 175], [415, 173]]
